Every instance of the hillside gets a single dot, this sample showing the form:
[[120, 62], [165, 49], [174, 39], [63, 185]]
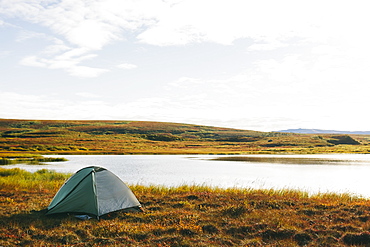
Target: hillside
[[143, 137]]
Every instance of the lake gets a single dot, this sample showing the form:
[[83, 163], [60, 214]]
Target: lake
[[340, 173]]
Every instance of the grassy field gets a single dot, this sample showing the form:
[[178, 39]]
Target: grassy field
[[183, 216], [140, 137]]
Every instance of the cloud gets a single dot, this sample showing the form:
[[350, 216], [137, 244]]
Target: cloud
[[267, 46], [14, 105], [293, 90], [33, 62], [127, 66], [268, 25], [91, 24], [62, 57], [92, 34], [246, 101], [80, 25], [57, 46], [69, 65], [84, 71], [305, 60], [224, 22], [26, 106], [25, 35], [94, 24], [87, 95]]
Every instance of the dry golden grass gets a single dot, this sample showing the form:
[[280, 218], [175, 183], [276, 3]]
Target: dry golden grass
[[183, 216]]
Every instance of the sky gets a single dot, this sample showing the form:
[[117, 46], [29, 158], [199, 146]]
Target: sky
[[259, 65]]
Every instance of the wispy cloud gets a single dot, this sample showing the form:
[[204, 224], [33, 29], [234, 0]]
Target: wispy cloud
[[33, 61], [69, 60], [82, 27], [25, 35]]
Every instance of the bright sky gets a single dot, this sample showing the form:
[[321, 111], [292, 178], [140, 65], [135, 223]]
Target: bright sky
[[259, 65]]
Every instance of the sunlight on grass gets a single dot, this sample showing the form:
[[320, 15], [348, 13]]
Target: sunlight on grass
[[20, 179]]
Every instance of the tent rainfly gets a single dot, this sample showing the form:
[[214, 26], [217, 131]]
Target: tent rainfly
[[94, 191]]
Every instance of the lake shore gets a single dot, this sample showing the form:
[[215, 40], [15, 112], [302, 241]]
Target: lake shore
[[183, 216]]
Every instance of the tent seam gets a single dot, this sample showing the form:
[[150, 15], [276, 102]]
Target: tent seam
[[96, 194]]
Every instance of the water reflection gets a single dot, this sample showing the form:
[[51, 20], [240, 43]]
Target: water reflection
[[293, 160]]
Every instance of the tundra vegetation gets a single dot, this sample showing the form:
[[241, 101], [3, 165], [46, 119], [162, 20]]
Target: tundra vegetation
[[142, 137], [188, 215]]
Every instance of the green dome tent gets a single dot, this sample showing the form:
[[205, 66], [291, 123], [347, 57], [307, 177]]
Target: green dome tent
[[93, 191]]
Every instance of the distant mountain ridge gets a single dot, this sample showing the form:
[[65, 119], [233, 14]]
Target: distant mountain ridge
[[320, 131]]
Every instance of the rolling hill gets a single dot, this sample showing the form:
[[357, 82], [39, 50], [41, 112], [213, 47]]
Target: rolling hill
[[144, 137]]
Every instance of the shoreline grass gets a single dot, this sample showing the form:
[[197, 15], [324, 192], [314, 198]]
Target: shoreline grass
[[187, 215], [26, 158]]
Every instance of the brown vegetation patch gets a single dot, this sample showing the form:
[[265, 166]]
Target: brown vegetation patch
[[357, 239], [303, 238], [278, 234]]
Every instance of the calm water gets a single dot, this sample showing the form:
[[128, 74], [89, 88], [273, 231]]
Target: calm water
[[312, 173]]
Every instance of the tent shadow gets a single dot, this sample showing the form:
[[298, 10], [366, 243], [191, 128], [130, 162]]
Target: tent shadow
[[23, 223], [121, 214], [34, 228]]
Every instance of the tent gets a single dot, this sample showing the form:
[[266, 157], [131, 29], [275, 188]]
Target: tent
[[94, 191]]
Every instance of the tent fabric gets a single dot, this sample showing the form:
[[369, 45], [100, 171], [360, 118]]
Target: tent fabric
[[95, 191], [70, 184], [110, 196]]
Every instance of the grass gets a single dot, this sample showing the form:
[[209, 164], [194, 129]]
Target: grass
[[42, 180], [183, 216], [36, 160]]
